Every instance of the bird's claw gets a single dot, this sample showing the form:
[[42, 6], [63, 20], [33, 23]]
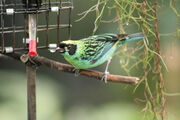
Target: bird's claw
[[104, 77], [76, 71]]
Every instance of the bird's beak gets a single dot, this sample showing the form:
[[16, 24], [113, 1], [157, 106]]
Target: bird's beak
[[60, 50]]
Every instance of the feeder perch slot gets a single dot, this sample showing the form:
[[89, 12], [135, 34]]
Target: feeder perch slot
[[54, 9], [9, 11], [52, 48], [8, 49]]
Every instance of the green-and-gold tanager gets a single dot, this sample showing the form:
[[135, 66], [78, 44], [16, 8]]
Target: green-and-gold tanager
[[94, 50]]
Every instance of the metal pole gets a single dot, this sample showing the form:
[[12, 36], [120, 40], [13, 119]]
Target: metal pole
[[31, 91], [31, 68]]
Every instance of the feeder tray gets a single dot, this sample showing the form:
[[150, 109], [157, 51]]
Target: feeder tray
[[15, 37]]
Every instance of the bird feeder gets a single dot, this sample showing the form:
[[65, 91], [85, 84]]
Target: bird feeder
[[19, 33]]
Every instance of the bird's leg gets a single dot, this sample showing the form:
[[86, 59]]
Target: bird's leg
[[76, 71], [104, 78]]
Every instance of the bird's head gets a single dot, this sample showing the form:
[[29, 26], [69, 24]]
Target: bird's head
[[67, 47]]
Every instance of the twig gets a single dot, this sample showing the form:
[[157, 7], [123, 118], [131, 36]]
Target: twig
[[68, 68], [161, 86]]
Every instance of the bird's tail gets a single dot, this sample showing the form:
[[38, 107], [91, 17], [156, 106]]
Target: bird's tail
[[132, 37]]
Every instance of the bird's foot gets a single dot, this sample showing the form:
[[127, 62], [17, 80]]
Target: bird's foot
[[104, 77], [76, 71]]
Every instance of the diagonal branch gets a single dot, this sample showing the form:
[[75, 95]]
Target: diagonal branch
[[39, 60]]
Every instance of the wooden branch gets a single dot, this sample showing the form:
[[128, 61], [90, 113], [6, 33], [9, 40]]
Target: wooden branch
[[39, 60]]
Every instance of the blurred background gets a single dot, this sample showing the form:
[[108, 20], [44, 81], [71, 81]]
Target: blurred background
[[62, 96]]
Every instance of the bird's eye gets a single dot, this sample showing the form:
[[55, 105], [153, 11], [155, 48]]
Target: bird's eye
[[72, 49], [69, 46]]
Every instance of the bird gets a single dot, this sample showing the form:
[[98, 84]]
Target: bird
[[95, 50]]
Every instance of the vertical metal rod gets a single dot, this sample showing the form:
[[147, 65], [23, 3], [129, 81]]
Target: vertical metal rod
[[2, 23], [58, 24], [14, 28], [49, 4], [26, 24], [25, 29], [47, 24], [69, 27], [31, 91]]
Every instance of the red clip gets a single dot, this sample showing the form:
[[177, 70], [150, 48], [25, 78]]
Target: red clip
[[32, 48]]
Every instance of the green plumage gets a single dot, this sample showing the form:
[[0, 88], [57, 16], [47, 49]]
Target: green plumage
[[94, 50]]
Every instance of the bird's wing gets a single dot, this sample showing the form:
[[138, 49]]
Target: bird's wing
[[93, 49], [102, 51], [97, 46]]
